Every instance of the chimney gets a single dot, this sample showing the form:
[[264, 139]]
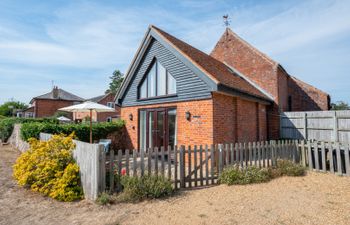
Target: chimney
[[55, 92]]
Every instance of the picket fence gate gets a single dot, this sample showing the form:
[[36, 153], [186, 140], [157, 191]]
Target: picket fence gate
[[195, 166]]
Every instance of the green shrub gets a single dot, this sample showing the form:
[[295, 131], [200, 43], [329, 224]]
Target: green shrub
[[145, 187], [288, 168], [7, 124], [48, 167], [82, 131], [234, 175], [104, 198]]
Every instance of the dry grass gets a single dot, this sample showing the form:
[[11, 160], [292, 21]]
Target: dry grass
[[314, 199]]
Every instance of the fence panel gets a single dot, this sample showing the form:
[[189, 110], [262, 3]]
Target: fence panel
[[317, 125]]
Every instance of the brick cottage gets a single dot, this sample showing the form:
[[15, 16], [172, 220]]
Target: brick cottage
[[174, 93]]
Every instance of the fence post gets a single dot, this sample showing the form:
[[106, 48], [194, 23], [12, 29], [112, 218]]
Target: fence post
[[102, 165], [305, 126], [111, 172], [182, 167], [310, 155], [335, 127], [220, 158]]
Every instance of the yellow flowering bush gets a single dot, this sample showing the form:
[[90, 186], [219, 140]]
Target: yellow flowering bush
[[48, 167]]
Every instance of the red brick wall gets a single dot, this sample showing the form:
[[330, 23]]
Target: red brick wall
[[225, 118], [234, 51], [194, 132], [306, 97], [48, 107]]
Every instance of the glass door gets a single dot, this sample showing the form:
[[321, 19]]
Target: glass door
[[157, 127]]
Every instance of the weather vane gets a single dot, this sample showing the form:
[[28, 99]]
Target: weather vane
[[226, 20]]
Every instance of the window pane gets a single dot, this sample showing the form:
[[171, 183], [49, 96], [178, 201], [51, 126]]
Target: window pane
[[152, 82], [172, 127], [150, 130], [161, 82], [143, 129], [143, 89], [171, 84]]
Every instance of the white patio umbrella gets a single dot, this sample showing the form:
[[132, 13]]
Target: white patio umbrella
[[63, 119], [88, 107]]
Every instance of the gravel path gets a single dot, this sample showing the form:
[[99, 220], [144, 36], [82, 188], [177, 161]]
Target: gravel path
[[314, 199]]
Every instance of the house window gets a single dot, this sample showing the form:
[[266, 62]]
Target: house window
[[157, 82], [110, 104], [109, 119], [29, 115]]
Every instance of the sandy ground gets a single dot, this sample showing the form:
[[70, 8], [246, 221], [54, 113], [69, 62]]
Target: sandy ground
[[314, 199]]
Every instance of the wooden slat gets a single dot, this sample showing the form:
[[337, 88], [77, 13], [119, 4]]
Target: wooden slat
[[241, 154], [182, 167], [236, 155], [169, 162], [201, 165], [309, 155], [263, 153], [156, 161], [206, 165], [189, 166], [119, 165], [227, 155], [111, 170], [220, 158], [250, 153], [330, 156], [338, 158], [254, 153], [323, 155], [317, 166], [162, 160], [127, 162], [142, 162], [195, 164], [175, 166], [259, 154], [212, 156], [149, 161], [134, 163], [347, 158], [303, 153], [232, 154]]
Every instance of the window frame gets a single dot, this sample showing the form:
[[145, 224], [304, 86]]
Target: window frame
[[112, 103], [154, 63]]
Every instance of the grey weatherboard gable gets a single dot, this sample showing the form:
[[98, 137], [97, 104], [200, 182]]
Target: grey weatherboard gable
[[189, 86]]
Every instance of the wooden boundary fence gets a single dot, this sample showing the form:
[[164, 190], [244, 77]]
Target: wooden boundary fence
[[195, 166], [317, 125]]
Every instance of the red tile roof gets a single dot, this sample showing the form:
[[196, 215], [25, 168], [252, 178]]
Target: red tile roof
[[215, 69]]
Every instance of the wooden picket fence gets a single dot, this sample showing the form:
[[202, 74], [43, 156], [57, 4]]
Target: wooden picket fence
[[196, 166], [322, 156]]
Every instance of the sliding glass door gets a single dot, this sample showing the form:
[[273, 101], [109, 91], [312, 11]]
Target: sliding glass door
[[157, 127]]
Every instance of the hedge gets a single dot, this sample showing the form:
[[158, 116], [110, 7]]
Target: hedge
[[7, 124], [82, 131]]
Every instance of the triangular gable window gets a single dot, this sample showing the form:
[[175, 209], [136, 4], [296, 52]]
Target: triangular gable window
[[157, 82]]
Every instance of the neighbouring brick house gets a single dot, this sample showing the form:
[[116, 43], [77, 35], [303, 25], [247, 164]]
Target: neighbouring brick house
[[47, 105], [106, 99], [174, 93]]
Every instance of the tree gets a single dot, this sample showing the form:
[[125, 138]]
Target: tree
[[340, 105], [9, 108], [116, 81]]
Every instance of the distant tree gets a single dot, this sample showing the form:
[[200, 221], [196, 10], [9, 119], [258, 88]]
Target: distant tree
[[116, 81], [9, 108], [340, 105]]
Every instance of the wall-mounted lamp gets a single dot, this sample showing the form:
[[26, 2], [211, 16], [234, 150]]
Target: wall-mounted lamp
[[130, 116], [188, 115]]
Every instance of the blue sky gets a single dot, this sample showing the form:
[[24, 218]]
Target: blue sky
[[78, 44]]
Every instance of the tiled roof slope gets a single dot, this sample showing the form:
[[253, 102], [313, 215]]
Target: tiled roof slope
[[61, 94], [217, 70]]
